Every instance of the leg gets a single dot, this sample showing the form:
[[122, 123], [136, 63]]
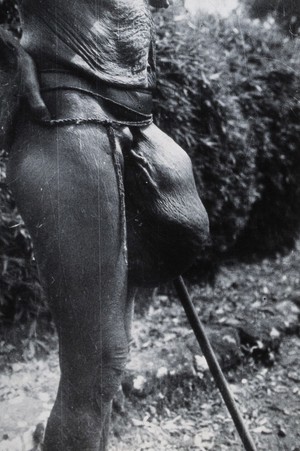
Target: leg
[[65, 184]]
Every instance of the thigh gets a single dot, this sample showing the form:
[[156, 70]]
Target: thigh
[[65, 185]]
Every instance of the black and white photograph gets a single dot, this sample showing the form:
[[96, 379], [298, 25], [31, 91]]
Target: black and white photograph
[[149, 225]]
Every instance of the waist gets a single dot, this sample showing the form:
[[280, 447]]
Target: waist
[[126, 105]]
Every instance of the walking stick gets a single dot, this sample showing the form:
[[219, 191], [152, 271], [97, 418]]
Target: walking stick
[[213, 364]]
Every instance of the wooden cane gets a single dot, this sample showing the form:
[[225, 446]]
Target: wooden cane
[[213, 364]]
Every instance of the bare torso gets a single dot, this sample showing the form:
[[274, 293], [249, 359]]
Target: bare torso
[[108, 39]]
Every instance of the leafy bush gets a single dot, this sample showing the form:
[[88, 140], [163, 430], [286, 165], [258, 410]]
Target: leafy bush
[[267, 84], [21, 297], [227, 94], [275, 218], [9, 16], [285, 12], [195, 106], [20, 291]]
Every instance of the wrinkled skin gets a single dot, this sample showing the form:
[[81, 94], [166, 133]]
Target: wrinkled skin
[[65, 184], [166, 221], [107, 39]]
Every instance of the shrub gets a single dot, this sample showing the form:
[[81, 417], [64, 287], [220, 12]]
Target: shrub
[[275, 218], [20, 291], [195, 106], [227, 95], [9, 16], [21, 295], [267, 84], [285, 12]]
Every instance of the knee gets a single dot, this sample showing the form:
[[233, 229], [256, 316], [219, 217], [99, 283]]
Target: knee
[[110, 372]]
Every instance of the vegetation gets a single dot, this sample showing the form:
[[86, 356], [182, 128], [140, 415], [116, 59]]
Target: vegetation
[[228, 93], [285, 12], [9, 16]]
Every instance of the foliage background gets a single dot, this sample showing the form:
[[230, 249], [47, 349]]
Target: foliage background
[[285, 12], [228, 92]]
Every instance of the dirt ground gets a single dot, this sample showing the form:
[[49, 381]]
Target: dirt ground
[[169, 400]]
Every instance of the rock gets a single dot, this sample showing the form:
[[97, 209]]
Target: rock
[[261, 333], [136, 385], [225, 342], [137, 423], [139, 383], [152, 410], [275, 333], [200, 363], [281, 431], [265, 290], [263, 430], [162, 372], [16, 367]]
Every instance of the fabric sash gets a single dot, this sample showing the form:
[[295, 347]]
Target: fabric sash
[[127, 103]]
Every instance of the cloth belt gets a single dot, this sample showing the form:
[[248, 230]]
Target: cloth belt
[[128, 102]]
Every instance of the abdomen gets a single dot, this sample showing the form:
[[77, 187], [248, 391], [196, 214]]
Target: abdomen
[[110, 42]]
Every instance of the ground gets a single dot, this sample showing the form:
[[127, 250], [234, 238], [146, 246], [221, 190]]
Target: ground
[[169, 400]]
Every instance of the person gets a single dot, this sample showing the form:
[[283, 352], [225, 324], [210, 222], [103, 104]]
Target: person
[[88, 71]]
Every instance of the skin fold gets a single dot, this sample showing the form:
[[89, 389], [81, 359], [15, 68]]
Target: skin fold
[[107, 40]]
